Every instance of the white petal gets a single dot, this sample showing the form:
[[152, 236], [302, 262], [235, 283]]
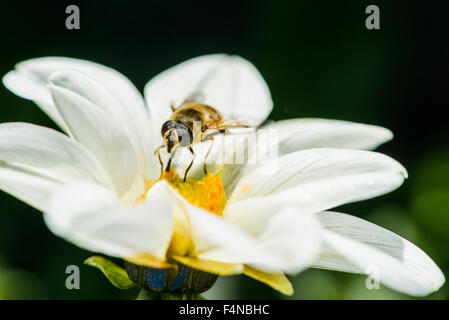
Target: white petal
[[87, 87], [294, 239], [301, 134], [93, 218], [217, 240], [29, 85], [29, 78], [355, 245], [312, 180], [104, 137], [283, 137], [230, 84], [29, 187], [49, 153], [288, 243]]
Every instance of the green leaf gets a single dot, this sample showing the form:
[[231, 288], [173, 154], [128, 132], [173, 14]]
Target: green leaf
[[115, 274]]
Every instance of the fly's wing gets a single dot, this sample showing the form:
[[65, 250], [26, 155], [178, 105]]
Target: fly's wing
[[231, 124], [210, 133]]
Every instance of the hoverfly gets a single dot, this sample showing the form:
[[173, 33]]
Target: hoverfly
[[189, 124]]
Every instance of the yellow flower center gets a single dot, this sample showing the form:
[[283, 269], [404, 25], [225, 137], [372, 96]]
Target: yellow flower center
[[207, 193]]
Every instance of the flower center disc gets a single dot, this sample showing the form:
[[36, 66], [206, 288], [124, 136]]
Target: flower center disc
[[207, 193]]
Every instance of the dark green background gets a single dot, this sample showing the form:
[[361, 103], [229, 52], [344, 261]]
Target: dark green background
[[319, 61]]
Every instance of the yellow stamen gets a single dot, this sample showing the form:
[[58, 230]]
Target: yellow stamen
[[207, 193]]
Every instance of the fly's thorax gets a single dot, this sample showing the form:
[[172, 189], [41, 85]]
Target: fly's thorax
[[194, 113]]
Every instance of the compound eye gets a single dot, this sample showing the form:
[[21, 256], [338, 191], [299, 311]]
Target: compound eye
[[170, 124], [184, 136]]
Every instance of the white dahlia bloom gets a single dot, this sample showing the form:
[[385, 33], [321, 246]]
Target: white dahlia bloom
[[99, 185]]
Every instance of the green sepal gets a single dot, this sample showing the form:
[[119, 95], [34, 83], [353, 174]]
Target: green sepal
[[115, 274]]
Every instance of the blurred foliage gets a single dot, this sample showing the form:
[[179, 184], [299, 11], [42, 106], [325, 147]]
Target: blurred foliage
[[319, 61]]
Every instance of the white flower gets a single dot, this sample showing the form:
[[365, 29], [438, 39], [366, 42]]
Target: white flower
[[98, 184]]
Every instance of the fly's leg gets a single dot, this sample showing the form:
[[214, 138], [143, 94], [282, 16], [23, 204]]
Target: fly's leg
[[190, 165], [207, 154], [167, 168], [210, 136], [158, 153]]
